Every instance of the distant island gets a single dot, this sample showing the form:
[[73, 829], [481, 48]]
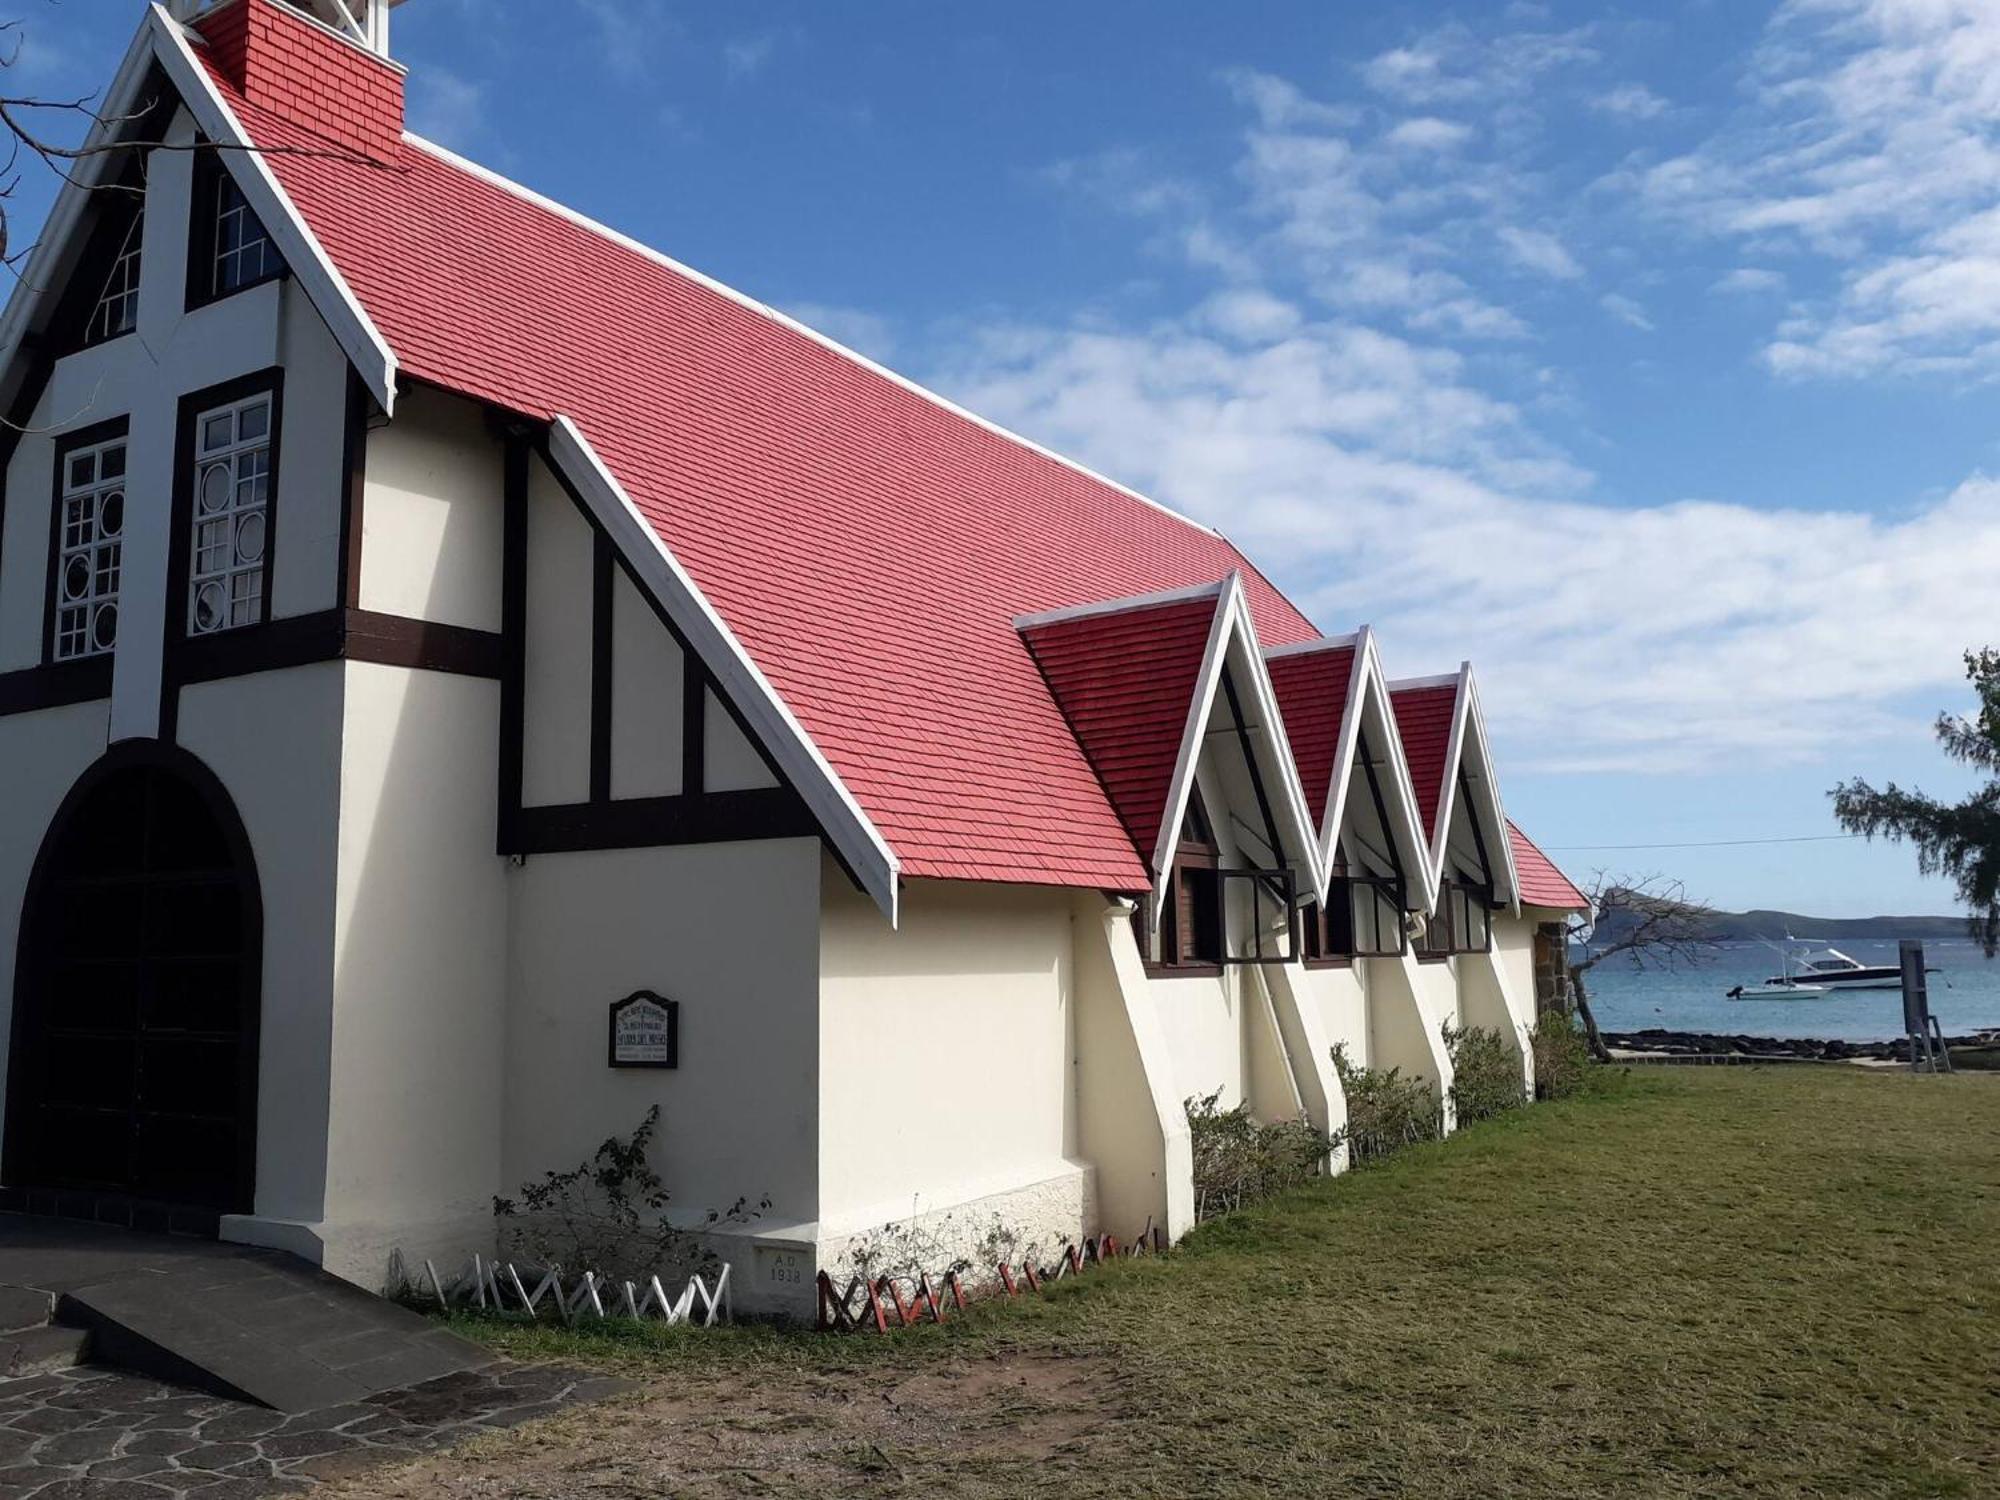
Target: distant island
[[1772, 926]]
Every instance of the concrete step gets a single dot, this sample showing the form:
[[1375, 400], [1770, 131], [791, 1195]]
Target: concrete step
[[24, 1307], [37, 1351]]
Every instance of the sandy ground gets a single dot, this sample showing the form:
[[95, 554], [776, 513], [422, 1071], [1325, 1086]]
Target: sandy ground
[[991, 1418]]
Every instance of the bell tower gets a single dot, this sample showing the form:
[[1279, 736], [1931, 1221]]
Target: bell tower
[[362, 21]]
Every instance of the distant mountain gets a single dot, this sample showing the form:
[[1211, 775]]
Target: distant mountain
[[1749, 926]]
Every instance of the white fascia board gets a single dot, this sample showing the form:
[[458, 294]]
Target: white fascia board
[[1411, 840], [1214, 656], [37, 280], [1324, 643], [328, 291], [1448, 794], [1295, 816], [1442, 679], [585, 222], [852, 832], [1121, 606], [1477, 745], [1352, 711]]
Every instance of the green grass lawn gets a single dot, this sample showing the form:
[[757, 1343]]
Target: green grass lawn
[[1713, 1282]]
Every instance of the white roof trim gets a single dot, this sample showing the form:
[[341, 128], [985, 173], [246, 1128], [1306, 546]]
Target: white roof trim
[[1448, 793], [1233, 628], [1368, 684], [335, 302], [1324, 643], [1442, 679], [584, 221], [37, 278], [859, 841], [1120, 606], [1475, 717]]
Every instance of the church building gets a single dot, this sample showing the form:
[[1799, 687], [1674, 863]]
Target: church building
[[467, 679]]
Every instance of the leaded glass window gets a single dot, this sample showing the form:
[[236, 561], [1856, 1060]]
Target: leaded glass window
[[232, 502], [88, 549]]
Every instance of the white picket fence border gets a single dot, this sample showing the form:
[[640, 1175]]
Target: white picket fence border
[[484, 1285]]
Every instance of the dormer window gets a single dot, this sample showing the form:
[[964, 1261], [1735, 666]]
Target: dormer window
[[117, 309], [230, 249]]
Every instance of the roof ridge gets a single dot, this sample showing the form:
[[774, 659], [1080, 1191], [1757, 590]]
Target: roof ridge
[[639, 247]]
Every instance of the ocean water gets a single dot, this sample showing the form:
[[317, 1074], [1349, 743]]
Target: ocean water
[[1965, 995]]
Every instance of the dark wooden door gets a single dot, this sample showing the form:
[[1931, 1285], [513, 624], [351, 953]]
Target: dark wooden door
[[135, 1040]]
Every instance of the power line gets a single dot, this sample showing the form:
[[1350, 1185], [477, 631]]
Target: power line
[[1804, 838]]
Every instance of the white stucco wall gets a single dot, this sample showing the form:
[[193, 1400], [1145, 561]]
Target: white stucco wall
[[731, 931], [432, 513], [42, 755], [648, 679], [420, 974], [1408, 1004], [945, 1051], [555, 742], [1340, 994], [273, 739]]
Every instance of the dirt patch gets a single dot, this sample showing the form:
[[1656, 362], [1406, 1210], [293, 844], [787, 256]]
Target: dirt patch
[[994, 1422]]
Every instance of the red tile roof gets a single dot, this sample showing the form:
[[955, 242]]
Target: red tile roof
[[1423, 719], [1542, 884], [1126, 682], [869, 546], [1312, 689]]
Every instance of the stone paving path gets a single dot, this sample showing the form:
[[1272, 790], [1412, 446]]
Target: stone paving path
[[91, 1434]]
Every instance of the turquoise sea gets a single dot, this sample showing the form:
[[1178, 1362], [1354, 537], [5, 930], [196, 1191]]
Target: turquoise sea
[[1965, 995]]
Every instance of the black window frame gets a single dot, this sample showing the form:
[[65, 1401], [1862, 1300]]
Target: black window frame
[[1273, 890], [204, 220], [113, 429], [1334, 931], [180, 562]]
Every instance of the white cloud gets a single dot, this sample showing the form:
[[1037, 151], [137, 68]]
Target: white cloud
[[1429, 133], [1455, 64], [1248, 315], [746, 56], [1386, 489], [1627, 311], [1538, 250], [1749, 280], [1630, 101], [1872, 141]]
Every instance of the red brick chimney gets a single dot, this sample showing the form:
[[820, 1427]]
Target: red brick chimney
[[284, 61]]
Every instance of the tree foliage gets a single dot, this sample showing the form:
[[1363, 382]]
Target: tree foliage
[[1960, 840]]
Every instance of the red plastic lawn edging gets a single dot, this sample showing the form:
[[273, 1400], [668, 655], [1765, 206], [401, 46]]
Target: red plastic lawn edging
[[879, 1304]]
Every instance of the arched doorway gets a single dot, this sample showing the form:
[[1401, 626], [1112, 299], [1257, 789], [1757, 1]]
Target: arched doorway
[[132, 1072]]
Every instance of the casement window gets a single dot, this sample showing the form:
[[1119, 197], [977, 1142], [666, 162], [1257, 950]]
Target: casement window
[[1191, 922], [1463, 922], [1362, 918], [229, 249], [87, 556], [229, 514], [117, 309], [1267, 902]]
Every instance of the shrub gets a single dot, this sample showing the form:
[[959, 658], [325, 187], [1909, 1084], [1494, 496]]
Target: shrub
[[1385, 1111], [1238, 1160], [1486, 1073], [1562, 1057], [607, 1215]]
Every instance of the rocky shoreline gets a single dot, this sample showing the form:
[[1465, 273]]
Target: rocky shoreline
[[1703, 1043]]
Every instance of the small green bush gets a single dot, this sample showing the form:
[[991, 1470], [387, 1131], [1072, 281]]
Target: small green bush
[[1238, 1159], [1486, 1073], [1562, 1057], [1385, 1111]]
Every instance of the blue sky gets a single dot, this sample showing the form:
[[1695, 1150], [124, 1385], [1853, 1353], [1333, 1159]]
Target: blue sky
[[1646, 356]]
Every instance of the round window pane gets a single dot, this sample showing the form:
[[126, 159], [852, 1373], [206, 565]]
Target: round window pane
[[250, 538], [215, 487], [211, 606], [76, 578], [111, 514], [104, 629]]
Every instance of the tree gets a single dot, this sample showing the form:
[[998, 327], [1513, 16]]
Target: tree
[[1961, 839], [1649, 922]]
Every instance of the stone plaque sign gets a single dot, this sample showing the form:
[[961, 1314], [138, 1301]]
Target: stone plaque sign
[[645, 1031]]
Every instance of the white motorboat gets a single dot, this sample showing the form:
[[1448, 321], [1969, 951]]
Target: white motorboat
[[1836, 970], [1778, 989]]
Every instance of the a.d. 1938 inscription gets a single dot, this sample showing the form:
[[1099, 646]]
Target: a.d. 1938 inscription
[[645, 1031]]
